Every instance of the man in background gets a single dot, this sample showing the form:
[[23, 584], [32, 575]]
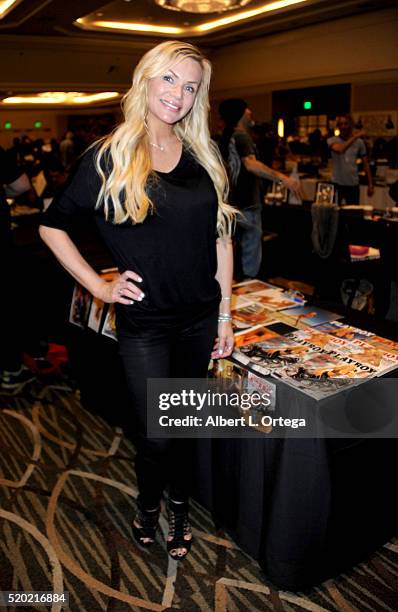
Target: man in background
[[245, 174], [346, 149]]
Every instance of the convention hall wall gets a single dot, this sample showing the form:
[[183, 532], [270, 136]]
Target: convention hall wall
[[361, 50]]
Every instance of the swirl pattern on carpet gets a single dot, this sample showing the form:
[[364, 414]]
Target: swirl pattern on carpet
[[67, 499]]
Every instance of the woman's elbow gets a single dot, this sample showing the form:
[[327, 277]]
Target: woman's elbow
[[47, 233], [43, 232]]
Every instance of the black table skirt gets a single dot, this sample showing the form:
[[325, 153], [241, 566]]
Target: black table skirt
[[305, 509]]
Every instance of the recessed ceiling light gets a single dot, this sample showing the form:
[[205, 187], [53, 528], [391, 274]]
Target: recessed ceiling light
[[241, 15], [6, 6], [61, 97], [202, 28], [201, 6], [136, 27]]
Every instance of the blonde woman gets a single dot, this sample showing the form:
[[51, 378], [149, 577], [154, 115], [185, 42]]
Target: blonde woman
[[158, 189]]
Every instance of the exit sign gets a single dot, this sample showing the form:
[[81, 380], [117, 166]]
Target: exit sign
[[307, 105]]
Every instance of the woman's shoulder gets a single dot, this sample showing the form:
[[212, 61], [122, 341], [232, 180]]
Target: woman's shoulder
[[86, 167], [88, 158]]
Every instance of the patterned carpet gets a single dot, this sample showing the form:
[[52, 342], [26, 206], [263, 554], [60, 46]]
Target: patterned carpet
[[67, 491]]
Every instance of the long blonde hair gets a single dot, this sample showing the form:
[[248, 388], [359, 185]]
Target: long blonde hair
[[126, 150]]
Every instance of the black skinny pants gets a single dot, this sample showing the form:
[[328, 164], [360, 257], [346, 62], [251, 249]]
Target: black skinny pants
[[181, 352]]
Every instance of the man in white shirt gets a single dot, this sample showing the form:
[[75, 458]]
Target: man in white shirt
[[346, 149]]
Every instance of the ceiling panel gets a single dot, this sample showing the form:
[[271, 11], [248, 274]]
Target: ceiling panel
[[60, 18]]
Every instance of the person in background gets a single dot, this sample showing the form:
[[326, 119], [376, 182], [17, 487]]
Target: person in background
[[26, 146], [67, 150], [14, 153], [245, 174], [156, 187], [56, 177], [13, 374], [314, 141], [346, 148]]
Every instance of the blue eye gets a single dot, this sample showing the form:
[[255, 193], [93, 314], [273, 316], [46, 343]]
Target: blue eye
[[190, 89], [168, 78]]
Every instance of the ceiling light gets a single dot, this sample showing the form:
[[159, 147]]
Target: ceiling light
[[202, 6], [88, 98], [136, 27], [266, 8], [61, 97], [6, 6], [85, 23]]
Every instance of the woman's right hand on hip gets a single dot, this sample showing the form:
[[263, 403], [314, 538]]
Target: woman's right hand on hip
[[121, 289]]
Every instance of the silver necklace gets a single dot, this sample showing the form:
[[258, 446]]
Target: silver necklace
[[160, 147]]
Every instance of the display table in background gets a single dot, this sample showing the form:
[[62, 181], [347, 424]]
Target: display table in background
[[380, 198], [293, 253]]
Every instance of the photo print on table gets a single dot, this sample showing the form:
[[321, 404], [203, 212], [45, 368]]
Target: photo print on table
[[325, 193], [273, 299], [344, 331], [277, 193], [250, 314], [251, 286], [310, 315], [109, 327], [80, 306], [95, 315], [254, 334]]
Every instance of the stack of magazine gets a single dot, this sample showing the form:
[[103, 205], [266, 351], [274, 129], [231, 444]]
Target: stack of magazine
[[278, 335], [320, 359]]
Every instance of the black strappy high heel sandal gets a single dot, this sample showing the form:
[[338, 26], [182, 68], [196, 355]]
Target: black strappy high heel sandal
[[179, 526], [148, 521]]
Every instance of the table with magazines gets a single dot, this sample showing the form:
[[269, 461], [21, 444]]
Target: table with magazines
[[307, 504]]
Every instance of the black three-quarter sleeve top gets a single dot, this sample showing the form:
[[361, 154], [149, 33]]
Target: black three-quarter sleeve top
[[173, 250]]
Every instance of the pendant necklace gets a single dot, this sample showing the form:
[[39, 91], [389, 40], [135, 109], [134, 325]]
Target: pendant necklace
[[160, 147]]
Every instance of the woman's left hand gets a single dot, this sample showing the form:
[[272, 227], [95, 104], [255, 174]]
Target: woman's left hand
[[224, 344]]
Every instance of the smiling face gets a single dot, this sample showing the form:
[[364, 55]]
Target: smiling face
[[171, 95]]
